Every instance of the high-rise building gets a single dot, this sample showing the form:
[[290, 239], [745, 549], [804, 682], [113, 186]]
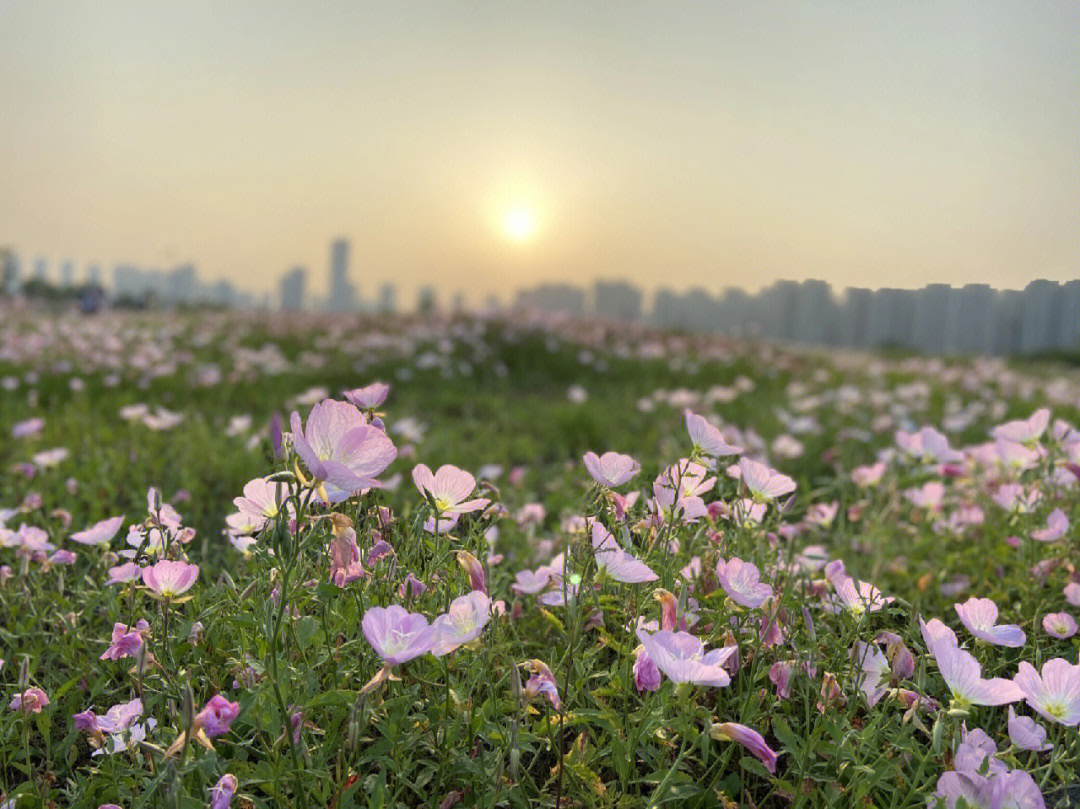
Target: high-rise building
[[9, 271], [932, 308], [425, 300], [342, 293], [1070, 316], [387, 299], [292, 289], [855, 317], [93, 275], [1040, 317], [972, 319], [67, 275], [617, 300], [553, 298], [41, 270]]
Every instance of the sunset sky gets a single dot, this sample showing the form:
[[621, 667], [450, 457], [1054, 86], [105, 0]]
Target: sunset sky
[[487, 146]]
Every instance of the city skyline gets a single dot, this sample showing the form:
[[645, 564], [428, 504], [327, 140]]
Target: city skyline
[[504, 144]]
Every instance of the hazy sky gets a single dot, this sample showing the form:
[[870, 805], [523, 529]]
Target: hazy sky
[[708, 143]]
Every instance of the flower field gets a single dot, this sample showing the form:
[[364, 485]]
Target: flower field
[[273, 561]]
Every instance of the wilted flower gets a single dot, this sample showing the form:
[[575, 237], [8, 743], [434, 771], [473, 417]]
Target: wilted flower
[[541, 683], [32, 700], [216, 717], [221, 794], [748, 738]]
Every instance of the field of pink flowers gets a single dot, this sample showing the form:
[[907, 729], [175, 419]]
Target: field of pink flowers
[[278, 562]]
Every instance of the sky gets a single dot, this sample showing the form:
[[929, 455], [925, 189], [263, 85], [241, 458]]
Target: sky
[[485, 147]]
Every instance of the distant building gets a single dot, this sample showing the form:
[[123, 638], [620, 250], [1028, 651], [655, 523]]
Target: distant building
[[1070, 316], [67, 275], [342, 293], [931, 327], [1040, 317], [9, 271], [93, 275], [973, 318], [553, 298], [41, 270], [854, 323], [426, 300], [617, 300], [387, 299], [292, 289]]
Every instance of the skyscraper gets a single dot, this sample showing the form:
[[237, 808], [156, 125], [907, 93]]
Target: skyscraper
[[67, 275], [292, 289], [342, 294]]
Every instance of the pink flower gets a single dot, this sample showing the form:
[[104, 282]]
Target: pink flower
[[857, 597], [100, 533], [370, 396], [748, 738], [25, 429], [261, 503], [928, 444], [1055, 693], [682, 657], [462, 623], [396, 634], [866, 476], [1056, 526], [611, 469], [122, 574], [1024, 431], [1059, 624], [762, 482], [1026, 733], [216, 717], [963, 676], [221, 794], [979, 615], [1072, 593], [934, 632], [873, 680], [528, 582], [707, 438], [740, 581], [126, 642], [169, 579], [341, 448], [32, 700], [448, 489], [616, 562]]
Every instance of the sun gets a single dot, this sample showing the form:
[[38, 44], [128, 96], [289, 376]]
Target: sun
[[518, 223]]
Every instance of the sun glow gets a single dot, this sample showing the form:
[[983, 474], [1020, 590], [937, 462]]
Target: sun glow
[[518, 224]]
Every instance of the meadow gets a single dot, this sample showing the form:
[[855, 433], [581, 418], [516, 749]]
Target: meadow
[[297, 561]]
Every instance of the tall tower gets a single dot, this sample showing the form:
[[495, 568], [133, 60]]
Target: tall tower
[[341, 291]]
